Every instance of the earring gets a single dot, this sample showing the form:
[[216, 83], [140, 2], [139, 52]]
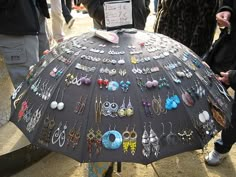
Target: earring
[[129, 109], [146, 143], [60, 105], [98, 141], [126, 140], [133, 141], [122, 110], [90, 140], [100, 82], [154, 141], [54, 103], [172, 139]]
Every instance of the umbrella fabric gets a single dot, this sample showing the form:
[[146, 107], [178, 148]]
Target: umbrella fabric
[[143, 99]]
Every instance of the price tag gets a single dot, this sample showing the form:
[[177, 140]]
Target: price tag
[[118, 13]]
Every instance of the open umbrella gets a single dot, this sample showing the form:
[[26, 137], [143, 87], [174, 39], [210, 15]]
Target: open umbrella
[[140, 99]]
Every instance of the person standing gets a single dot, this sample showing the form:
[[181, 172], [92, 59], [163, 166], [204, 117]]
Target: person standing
[[140, 11], [23, 35], [155, 3], [226, 17], [191, 23]]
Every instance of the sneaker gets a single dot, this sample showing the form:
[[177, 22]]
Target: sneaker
[[154, 13], [215, 158], [70, 23]]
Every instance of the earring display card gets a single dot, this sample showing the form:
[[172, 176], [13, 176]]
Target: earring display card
[[142, 99]]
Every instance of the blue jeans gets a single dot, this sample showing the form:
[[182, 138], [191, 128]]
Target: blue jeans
[[155, 5]]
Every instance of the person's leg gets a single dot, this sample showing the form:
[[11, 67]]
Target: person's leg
[[43, 36], [223, 145], [65, 11], [57, 20], [155, 6], [19, 52], [69, 4]]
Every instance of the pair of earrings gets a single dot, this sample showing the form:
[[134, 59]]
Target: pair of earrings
[[55, 105], [94, 139], [172, 102], [125, 85], [56, 72], [80, 105], [109, 109], [59, 135], [82, 80], [102, 82], [24, 107], [151, 84], [126, 111], [129, 141], [73, 136], [147, 107], [163, 83], [150, 142]]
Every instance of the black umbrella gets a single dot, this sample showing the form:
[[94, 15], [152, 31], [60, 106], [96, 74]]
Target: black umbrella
[[140, 100]]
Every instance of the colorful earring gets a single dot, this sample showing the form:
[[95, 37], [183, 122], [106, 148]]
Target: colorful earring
[[122, 110], [129, 109], [126, 140], [133, 141]]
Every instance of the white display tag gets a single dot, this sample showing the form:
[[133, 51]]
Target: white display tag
[[118, 13]]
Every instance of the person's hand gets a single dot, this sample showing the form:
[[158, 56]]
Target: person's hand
[[222, 18], [224, 77]]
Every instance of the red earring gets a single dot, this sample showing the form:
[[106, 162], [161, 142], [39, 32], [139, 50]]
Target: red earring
[[100, 82], [105, 82]]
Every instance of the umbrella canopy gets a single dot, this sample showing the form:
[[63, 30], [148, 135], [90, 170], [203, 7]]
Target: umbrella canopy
[[142, 99]]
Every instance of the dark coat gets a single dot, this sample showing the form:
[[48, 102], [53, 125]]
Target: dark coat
[[19, 17], [222, 56], [190, 22], [140, 9]]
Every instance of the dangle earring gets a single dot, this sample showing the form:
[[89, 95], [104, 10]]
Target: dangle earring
[[90, 140], [56, 134], [172, 138], [54, 103], [100, 82], [62, 136], [163, 141], [60, 105], [76, 138], [24, 107], [129, 109], [125, 85], [122, 110], [126, 140], [98, 141], [154, 141], [146, 143], [133, 141]]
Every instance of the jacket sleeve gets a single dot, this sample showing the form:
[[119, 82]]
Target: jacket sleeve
[[6, 4], [95, 9], [232, 79]]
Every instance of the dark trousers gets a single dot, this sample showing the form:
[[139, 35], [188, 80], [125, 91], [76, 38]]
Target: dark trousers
[[228, 135], [65, 11]]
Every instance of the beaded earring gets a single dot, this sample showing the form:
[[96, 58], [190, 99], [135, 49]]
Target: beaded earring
[[133, 141], [126, 140]]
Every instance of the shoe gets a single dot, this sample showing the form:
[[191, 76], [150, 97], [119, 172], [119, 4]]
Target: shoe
[[60, 40], [215, 158], [154, 13], [70, 23]]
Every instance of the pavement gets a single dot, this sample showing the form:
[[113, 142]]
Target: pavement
[[189, 164]]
